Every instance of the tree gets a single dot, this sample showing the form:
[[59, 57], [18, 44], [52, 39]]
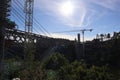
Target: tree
[[102, 36], [55, 61], [10, 24], [35, 72], [80, 71], [32, 69], [98, 73], [74, 71]]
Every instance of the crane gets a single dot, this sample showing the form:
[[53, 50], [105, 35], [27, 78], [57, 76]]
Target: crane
[[83, 31]]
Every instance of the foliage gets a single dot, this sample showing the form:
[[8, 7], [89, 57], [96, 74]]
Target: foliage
[[16, 69], [27, 69], [52, 75], [29, 55], [58, 70], [55, 61], [53, 64], [12, 68], [71, 71], [57, 67], [98, 73], [35, 72], [9, 24], [80, 71], [32, 69]]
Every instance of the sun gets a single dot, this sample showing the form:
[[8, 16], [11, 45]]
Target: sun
[[66, 8]]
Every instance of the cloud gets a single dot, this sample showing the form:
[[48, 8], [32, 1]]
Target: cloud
[[109, 4], [79, 15], [51, 8], [70, 37], [64, 36], [84, 15]]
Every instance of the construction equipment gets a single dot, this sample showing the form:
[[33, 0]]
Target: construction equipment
[[83, 31]]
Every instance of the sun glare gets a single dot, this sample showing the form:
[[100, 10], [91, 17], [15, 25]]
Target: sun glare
[[67, 8]]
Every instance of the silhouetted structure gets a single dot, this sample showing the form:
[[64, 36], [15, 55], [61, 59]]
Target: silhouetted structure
[[79, 39], [4, 13]]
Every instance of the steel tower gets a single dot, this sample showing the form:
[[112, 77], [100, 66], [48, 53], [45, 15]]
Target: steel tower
[[29, 17]]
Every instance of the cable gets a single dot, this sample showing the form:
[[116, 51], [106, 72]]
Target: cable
[[36, 22], [16, 17], [42, 27], [39, 25], [21, 17], [20, 5]]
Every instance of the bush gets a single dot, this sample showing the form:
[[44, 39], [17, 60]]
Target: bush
[[35, 72], [55, 61], [80, 71]]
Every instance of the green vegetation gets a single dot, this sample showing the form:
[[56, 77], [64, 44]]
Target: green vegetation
[[57, 67], [55, 61], [10, 24], [100, 63], [7, 23], [76, 70]]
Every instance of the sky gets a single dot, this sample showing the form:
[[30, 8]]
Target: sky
[[103, 16]]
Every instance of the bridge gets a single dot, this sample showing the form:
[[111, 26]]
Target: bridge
[[20, 37], [45, 46]]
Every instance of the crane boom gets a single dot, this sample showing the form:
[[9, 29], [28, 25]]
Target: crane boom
[[75, 30]]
